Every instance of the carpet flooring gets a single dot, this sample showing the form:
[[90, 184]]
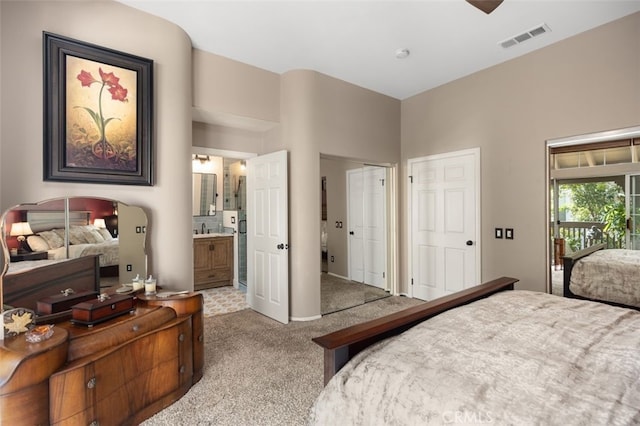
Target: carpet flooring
[[260, 372]]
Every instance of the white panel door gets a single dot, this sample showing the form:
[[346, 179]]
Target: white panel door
[[444, 223], [367, 225], [374, 221], [268, 236], [355, 207]]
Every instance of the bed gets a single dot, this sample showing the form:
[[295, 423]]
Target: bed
[[486, 355], [606, 275], [84, 238]]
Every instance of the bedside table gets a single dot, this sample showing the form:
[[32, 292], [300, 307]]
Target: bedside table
[[34, 255]]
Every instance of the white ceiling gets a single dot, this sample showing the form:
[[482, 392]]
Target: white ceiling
[[356, 40]]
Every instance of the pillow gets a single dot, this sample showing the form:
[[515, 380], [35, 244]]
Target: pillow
[[52, 238], [92, 235], [37, 243], [105, 234], [76, 235]]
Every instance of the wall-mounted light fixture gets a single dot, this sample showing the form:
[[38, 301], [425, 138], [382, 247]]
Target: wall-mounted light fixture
[[243, 164], [20, 229], [203, 158]]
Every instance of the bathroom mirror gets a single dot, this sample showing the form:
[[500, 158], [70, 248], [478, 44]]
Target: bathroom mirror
[[83, 243], [204, 194]]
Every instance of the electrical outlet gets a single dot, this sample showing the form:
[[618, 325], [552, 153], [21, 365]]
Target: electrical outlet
[[129, 268], [332, 259]]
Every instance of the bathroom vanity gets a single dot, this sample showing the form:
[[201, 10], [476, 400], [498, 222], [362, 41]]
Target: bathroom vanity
[[212, 260]]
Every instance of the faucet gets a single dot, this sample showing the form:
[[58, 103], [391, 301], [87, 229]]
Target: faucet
[[203, 228]]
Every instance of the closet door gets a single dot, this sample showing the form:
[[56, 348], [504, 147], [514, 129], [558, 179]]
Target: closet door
[[367, 225]]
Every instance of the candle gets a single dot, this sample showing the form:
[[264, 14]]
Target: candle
[[137, 283], [150, 286]]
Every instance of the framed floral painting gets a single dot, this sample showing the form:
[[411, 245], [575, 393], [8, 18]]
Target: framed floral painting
[[98, 114]]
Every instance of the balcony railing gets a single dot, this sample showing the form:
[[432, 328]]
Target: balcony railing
[[579, 235]]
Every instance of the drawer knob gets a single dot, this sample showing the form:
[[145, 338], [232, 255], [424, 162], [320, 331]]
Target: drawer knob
[[181, 337], [91, 383], [182, 369], [201, 338], [94, 423], [135, 327]]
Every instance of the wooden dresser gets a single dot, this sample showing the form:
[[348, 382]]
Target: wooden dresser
[[212, 262], [118, 372]]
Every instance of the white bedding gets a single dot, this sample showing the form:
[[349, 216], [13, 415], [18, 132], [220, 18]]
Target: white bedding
[[609, 275], [27, 265], [518, 357], [108, 251]]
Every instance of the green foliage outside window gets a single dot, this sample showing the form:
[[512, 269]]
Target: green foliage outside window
[[601, 202]]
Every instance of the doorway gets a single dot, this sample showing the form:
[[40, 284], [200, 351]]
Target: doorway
[[231, 196], [592, 191], [356, 251]]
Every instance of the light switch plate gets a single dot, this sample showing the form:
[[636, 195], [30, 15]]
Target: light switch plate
[[498, 232]]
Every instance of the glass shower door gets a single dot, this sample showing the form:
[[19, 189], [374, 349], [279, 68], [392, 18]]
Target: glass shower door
[[242, 231]]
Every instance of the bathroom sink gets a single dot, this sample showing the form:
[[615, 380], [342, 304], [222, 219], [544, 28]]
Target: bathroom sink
[[213, 234]]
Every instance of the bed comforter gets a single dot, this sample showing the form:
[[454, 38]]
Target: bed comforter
[[108, 251], [610, 275], [517, 357]]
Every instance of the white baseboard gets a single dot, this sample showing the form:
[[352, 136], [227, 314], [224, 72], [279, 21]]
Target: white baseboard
[[338, 276], [313, 318]]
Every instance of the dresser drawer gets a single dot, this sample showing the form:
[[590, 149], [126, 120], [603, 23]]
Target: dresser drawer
[[84, 342], [112, 386]]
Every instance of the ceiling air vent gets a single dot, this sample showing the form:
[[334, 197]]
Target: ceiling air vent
[[527, 35]]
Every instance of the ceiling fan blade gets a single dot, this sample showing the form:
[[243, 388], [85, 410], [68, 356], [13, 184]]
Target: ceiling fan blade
[[487, 6]]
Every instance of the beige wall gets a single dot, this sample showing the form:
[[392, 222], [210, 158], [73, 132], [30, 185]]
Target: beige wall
[[224, 86], [207, 135], [320, 114], [119, 27], [584, 84]]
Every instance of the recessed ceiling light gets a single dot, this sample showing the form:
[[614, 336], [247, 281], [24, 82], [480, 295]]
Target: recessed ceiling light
[[402, 53]]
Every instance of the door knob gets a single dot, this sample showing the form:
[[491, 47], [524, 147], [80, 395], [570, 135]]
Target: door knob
[[469, 242]]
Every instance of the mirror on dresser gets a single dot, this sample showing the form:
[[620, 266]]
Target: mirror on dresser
[[82, 243]]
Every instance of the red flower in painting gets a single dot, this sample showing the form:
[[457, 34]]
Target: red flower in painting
[[109, 78], [86, 78], [118, 93], [102, 148]]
